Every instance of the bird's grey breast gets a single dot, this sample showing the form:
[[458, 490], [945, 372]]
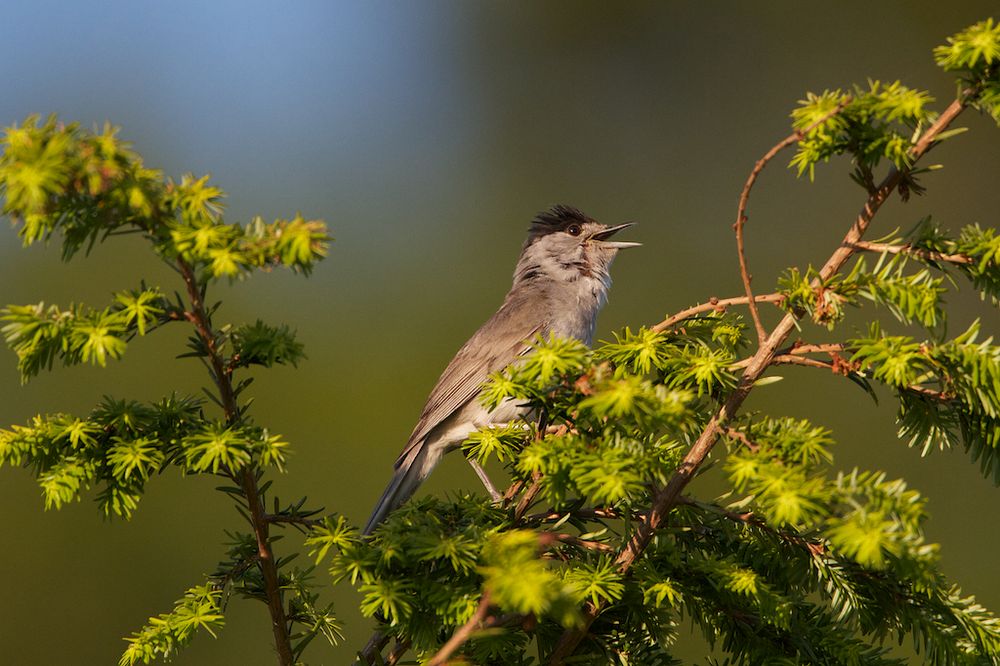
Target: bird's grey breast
[[574, 307]]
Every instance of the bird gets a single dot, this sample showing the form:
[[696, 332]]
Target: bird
[[561, 282]]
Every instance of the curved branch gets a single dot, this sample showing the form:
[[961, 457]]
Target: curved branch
[[666, 498], [741, 209], [716, 305]]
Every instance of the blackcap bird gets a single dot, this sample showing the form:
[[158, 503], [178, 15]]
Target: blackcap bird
[[560, 284]]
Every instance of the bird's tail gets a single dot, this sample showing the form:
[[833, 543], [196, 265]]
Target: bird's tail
[[411, 470]]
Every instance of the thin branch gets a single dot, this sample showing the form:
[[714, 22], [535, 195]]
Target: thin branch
[[574, 540], [843, 368], [800, 349], [585, 514], [716, 305], [666, 498], [246, 478], [741, 210], [532, 491], [463, 633], [940, 396], [527, 498], [741, 436], [791, 359], [918, 253]]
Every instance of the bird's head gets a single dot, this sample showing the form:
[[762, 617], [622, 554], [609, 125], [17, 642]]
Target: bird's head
[[564, 243]]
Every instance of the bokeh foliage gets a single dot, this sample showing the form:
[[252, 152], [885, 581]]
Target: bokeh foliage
[[794, 563]]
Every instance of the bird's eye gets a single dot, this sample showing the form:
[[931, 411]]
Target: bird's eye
[[573, 230]]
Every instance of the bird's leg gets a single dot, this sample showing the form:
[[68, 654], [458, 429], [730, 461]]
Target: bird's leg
[[481, 473]]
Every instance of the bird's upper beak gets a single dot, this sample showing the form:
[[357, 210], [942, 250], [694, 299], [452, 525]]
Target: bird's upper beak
[[602, 237]]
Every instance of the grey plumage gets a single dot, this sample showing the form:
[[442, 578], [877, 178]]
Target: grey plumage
[[560, 284]]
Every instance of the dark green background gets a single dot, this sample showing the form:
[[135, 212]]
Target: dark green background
[[427, 135]]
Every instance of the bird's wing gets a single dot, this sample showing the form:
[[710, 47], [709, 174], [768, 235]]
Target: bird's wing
[[504, 337]]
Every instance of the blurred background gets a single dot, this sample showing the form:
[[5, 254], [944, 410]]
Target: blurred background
[[427, 135]]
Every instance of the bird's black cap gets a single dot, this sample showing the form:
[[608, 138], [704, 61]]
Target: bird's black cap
[[556, 219]]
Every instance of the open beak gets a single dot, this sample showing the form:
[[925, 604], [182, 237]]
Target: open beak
[[602, 237]]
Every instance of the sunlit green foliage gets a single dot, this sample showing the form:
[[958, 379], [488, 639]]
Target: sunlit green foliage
[[874, 123], [166, 634], [797, 562], [949, 391], [88, 186], [59, 180], [792, 530], [975, 54], [909, 297], [122, 443], [40, 335]]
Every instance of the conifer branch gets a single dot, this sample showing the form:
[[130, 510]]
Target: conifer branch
[[666, 498], [245, 477]]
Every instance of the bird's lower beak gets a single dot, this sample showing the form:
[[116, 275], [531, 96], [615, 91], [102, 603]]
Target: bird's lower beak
[[603, 236]]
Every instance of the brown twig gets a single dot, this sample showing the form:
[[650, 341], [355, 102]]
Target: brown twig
[[802, 348], [798, 349], [666, 498], [741, 209], [940, 396], [463, 633], [527, 498], [843, 369], [791, 359], [574, 540], [925, 255], [585, 514], [741, 436], [245, 477], [714, 304]]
